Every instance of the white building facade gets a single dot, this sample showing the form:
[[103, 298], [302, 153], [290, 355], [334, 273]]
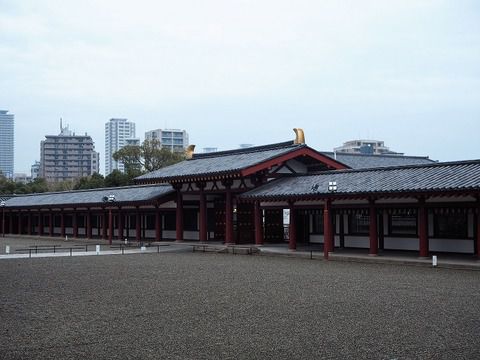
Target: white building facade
[[118, 133], [6, 143], [173, 139]]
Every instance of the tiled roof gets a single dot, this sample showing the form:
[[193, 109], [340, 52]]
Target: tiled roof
[[360, 161], [91, 197], [221, 162], [5, 197], [453, 176]]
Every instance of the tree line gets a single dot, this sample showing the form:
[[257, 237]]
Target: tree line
[[137, 160]]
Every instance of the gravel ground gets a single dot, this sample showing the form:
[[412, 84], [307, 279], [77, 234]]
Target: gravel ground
[[215, 306]]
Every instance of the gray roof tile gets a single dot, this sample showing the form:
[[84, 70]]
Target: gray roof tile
[[221, 162], [93, 196], [453, 176], [360, 161]]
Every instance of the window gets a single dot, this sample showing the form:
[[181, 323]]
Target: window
[[170, 221], [190, 221], [451, 226], [359, 224], [317, 223], [150, 222], [402, 225]]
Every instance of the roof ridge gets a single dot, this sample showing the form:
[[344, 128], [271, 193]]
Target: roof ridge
[[87, 190], [245, 150], [397, 167]]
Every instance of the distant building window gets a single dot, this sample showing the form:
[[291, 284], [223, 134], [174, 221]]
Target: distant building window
[[359, 224], [402, 225], [451, 226]]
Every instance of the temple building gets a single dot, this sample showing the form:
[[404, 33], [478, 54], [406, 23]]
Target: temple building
[[371, 202]]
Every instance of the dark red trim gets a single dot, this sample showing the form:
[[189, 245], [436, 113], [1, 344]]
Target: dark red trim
[[158, 225], [202, 216], [229, 217], [258, 223], [292, 229], [110, 226], [89, 224], [373, 233], [304, 151], [29, 223], [62, 224], [138, 228], [327, 230], [422, 229], [179, 216]]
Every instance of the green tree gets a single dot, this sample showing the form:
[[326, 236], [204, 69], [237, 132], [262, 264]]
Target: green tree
[[61, 185], [147, 157], [117, 178], [38, 185], [7, 186], [90, 182]]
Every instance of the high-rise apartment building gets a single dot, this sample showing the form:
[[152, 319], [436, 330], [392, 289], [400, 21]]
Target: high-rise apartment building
[[172, 139], [67, 156], [118, 133], [6, 143]]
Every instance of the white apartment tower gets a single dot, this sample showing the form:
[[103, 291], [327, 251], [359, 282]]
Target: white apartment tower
[[118, 133], [172, 139], [6, 143]]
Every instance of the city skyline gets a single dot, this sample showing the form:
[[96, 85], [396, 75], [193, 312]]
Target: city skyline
[[402, 72]]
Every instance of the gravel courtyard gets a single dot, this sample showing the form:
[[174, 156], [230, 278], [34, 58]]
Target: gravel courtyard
[[215, 306]]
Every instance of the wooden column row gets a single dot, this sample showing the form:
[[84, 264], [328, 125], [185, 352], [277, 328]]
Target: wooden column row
[[107, 227]]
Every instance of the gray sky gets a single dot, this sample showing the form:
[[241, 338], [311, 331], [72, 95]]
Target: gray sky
[[230, 72]]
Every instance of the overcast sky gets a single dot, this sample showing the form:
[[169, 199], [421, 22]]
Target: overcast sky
[[241, 71]]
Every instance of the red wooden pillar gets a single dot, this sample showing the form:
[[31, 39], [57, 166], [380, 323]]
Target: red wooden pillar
[[120, 224], [478, 232], [50, 224], [75, 223], [19, 223], [40, 223], [179, 216], [327, 229], [62, 224], [292, 229], [373, 229], [10, 222], [89, 224], [257, 212], [105, 225], [3, 222], [29, 223], [202, 214], [138, 228], [110, 226], [422, 229], [229, 217], [158, 225]]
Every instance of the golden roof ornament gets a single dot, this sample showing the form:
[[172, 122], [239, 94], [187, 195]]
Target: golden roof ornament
[[299, 136], [189, 151]]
